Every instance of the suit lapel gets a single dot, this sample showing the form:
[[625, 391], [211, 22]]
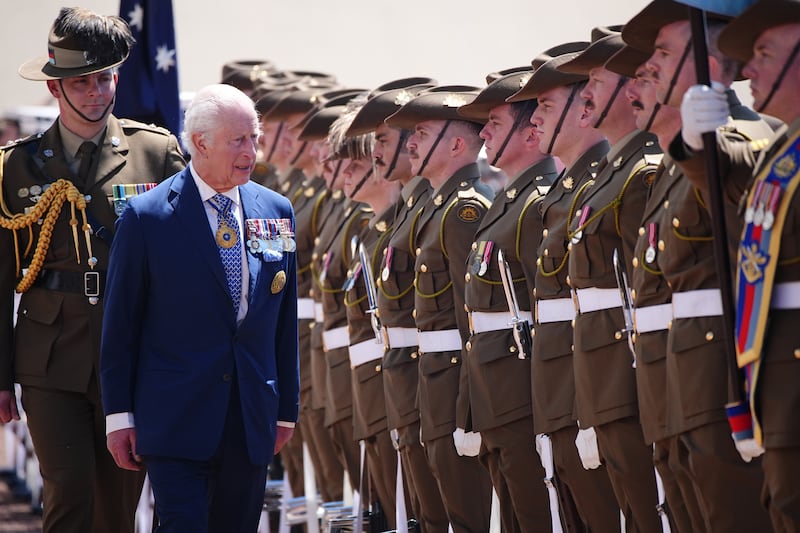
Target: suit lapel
[[192, 215], [249, 199]]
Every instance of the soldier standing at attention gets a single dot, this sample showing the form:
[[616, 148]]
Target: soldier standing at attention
[[557, 120], [650, 292], [84, 158], [495, 360], [705, 459], [395, 299], [764, 37], [606, 219], [444, 149]]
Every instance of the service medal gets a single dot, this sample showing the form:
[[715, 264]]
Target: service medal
[[769, 220], [226, 236], [650, 255], [758, 217]]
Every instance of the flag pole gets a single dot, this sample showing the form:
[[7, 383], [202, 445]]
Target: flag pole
[[697, 19]]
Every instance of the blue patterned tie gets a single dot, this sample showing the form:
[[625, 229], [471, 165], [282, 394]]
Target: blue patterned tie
[[230, 252]]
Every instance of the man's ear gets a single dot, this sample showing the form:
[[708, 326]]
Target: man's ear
[[54, 87], [457, 145], [200, 143]]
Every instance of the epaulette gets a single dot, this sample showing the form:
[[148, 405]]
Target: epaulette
[[128, 124], [19, 142], [470, 193]]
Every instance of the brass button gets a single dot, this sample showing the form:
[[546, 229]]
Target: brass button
[[710, 336], [419, 251], [512, 349], [474, 246], [572, 322], [569, 281], [635, 262], [666, 204], [316, 241], [633, 294], [669, 324], [569, 247], [311, 292], [453, 360], [572, 347], [618, 335], [546, 252], [641, 231], [545, 233], [423, 267], [468, 345], [797, 353], [413, 313], [414, 355], [384, 251], [377, 368], [676, 222], [538, 261], [467, 277], [311, 324], [314, 256], [662, 246]]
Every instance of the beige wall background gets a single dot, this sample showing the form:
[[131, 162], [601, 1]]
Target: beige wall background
[[365, 43]]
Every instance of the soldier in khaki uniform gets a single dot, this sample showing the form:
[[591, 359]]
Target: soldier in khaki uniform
[[765, 37], [650, 292], [366, 342], [81, 159], [557, 121], [605, 222], [395, 298], [498, 373], [443, 149], [704, 456]]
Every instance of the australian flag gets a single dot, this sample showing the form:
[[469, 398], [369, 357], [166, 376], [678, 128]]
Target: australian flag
[[148, 80]]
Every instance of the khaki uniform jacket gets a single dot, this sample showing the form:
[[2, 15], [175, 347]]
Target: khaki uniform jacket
[[337, 257], [331, 210], [553, 383], [696, 376], [307, 226], [605, 381], [57, 338], [776, 393], [447, 223], [649, 288], [369, 406], [396, 306], [499, 381]]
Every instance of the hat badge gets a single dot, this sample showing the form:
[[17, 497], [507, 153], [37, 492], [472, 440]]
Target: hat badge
[[454, 100], [523, 80], [402, 98]]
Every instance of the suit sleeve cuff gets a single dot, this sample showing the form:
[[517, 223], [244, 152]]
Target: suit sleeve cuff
[[284, 424], [117, 421]]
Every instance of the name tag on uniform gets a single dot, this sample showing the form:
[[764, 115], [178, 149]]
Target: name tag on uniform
[[270, 237]]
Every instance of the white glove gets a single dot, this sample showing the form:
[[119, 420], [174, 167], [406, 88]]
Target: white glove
[[468, 443], [703, 110], [749, 449], [586, 442]]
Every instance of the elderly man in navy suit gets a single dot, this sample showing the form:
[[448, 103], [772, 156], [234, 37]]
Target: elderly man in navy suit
[[199, 368]]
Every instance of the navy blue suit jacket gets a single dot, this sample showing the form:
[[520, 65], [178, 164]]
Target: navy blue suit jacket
[[171, 345]]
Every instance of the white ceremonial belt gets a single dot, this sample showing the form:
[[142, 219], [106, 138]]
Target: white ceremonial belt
[[693, 304], [594, 299], [335, 338], [448, 340], [319, 314], [364, 352], [652, 318], [786, 295], [399, 337], [555, 310], [481, 322], [305, 308]]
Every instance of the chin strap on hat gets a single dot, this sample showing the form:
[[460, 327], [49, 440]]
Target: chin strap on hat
[[397, 151], [275, 141], [780, 77], [514, 126], [563, 116], [677, 72], [620, 82], [103, 117], [433, 147]]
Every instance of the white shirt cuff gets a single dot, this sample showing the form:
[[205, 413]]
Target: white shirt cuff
[[117, 421], [285, 424]]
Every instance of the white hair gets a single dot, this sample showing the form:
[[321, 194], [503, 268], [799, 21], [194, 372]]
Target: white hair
[[207, 111]]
